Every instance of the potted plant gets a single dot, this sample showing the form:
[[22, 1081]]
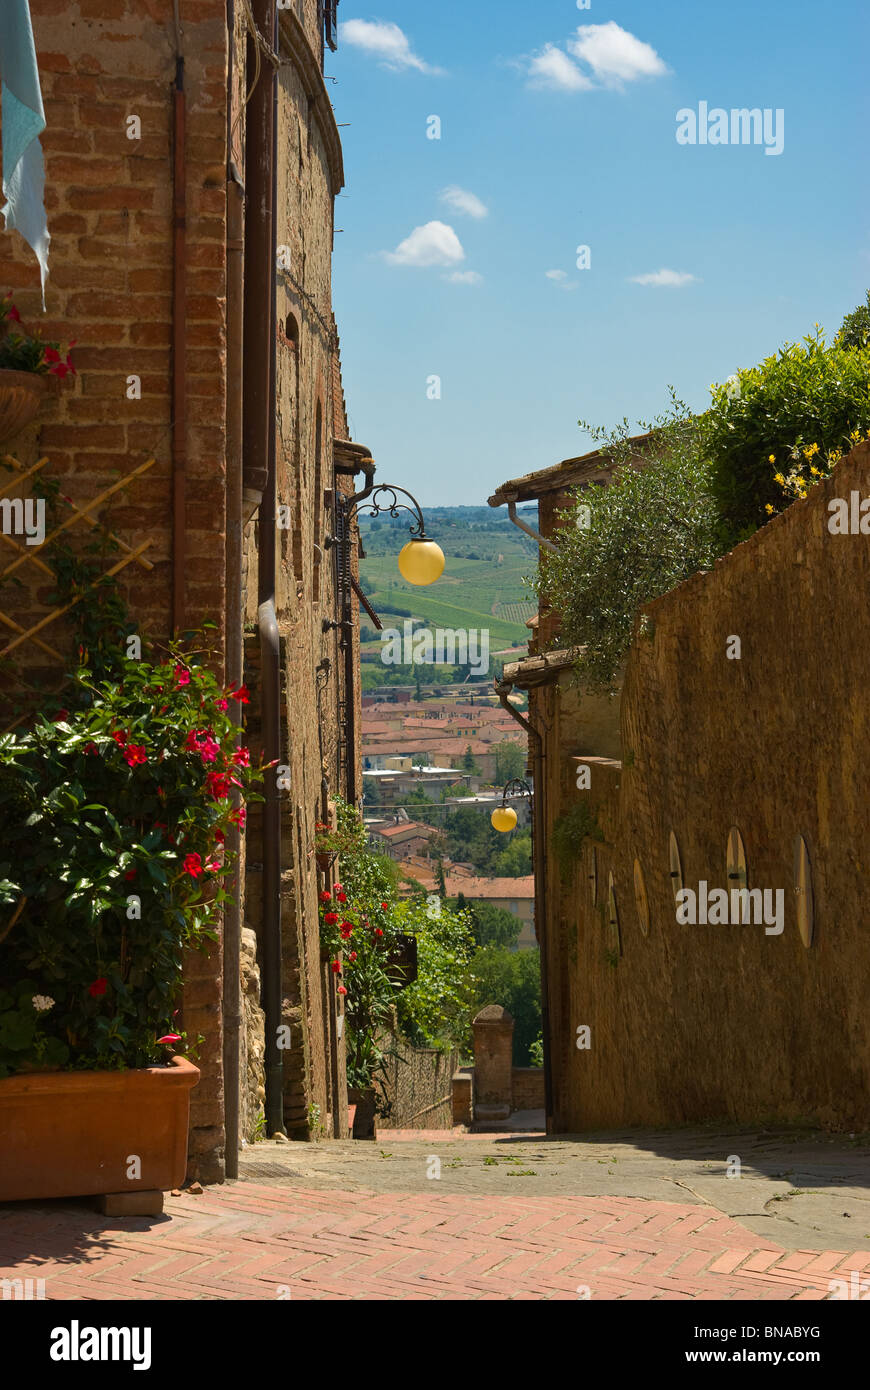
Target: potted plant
[[113, 817], [28, 366], [359, 936], [329, 842]]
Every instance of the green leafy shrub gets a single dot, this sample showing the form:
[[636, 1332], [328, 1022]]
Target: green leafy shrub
[[648, 530], [808, 394], [435, 1011], [512, 979], [113, 818], [855, 328]]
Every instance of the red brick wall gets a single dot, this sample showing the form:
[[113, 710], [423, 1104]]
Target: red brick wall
[[109, 205]]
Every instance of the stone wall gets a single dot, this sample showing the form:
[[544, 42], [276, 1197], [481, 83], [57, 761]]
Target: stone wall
[[253, 1089], [696, 1022], [310, 416]]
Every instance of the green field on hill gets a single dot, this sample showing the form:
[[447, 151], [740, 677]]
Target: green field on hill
[[482, 584]]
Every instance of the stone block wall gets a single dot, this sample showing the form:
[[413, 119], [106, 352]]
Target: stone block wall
[[724, 1022]]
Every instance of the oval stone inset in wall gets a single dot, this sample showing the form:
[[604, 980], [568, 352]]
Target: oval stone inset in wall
[[803, 888], [593, 874], [640, 898], [676, 866], [613, 918], [735, 861]]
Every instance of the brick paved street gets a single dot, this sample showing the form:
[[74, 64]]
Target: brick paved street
[[295, 1232]]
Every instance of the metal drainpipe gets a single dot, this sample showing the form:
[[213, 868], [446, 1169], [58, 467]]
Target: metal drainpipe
[[344, 570], [233, 644], [179, 349], [260, 455], [523, 526], [539, 851]]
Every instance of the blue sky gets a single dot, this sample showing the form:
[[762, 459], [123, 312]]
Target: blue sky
[[562, 123]]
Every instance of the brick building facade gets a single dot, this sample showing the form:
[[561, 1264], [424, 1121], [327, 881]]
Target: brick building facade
[[191, 250]]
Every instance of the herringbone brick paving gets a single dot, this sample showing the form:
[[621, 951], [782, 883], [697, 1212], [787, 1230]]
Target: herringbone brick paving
[[249, 1241]]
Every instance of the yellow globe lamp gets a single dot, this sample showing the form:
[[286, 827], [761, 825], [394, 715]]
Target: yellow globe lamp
[[421, 561], [503, 818]]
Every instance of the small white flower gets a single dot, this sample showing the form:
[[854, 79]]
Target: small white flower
[[42, 1003], [732, 388]]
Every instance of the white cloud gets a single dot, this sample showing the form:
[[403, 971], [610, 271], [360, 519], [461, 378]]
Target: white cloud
[[462, 201], [553, 69], [383, 40], [665, 279], [560, 279], [464, 277], [433, 244], [614, 55]]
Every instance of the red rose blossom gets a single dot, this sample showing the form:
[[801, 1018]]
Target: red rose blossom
[[342, 990], [98, 987], [336, 967], [326, 896], [330, 918], [193, 865]]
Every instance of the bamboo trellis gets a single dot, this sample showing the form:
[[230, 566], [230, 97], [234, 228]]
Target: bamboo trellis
[[31, 553]]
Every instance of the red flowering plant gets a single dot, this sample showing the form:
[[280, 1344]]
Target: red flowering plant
[[26, 352], [114, 813], [363, 925]]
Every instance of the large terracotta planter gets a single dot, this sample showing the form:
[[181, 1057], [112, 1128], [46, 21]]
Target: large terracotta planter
[[21, 395], [73, 1133]]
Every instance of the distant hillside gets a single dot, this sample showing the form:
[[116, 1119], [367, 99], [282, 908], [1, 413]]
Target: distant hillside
[[482, 584]]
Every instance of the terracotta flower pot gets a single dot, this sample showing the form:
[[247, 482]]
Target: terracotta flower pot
[[73, 1133], [21, 394]]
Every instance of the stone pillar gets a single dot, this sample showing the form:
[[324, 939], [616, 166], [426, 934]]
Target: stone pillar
[[493, 1031], [461, 1097]]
